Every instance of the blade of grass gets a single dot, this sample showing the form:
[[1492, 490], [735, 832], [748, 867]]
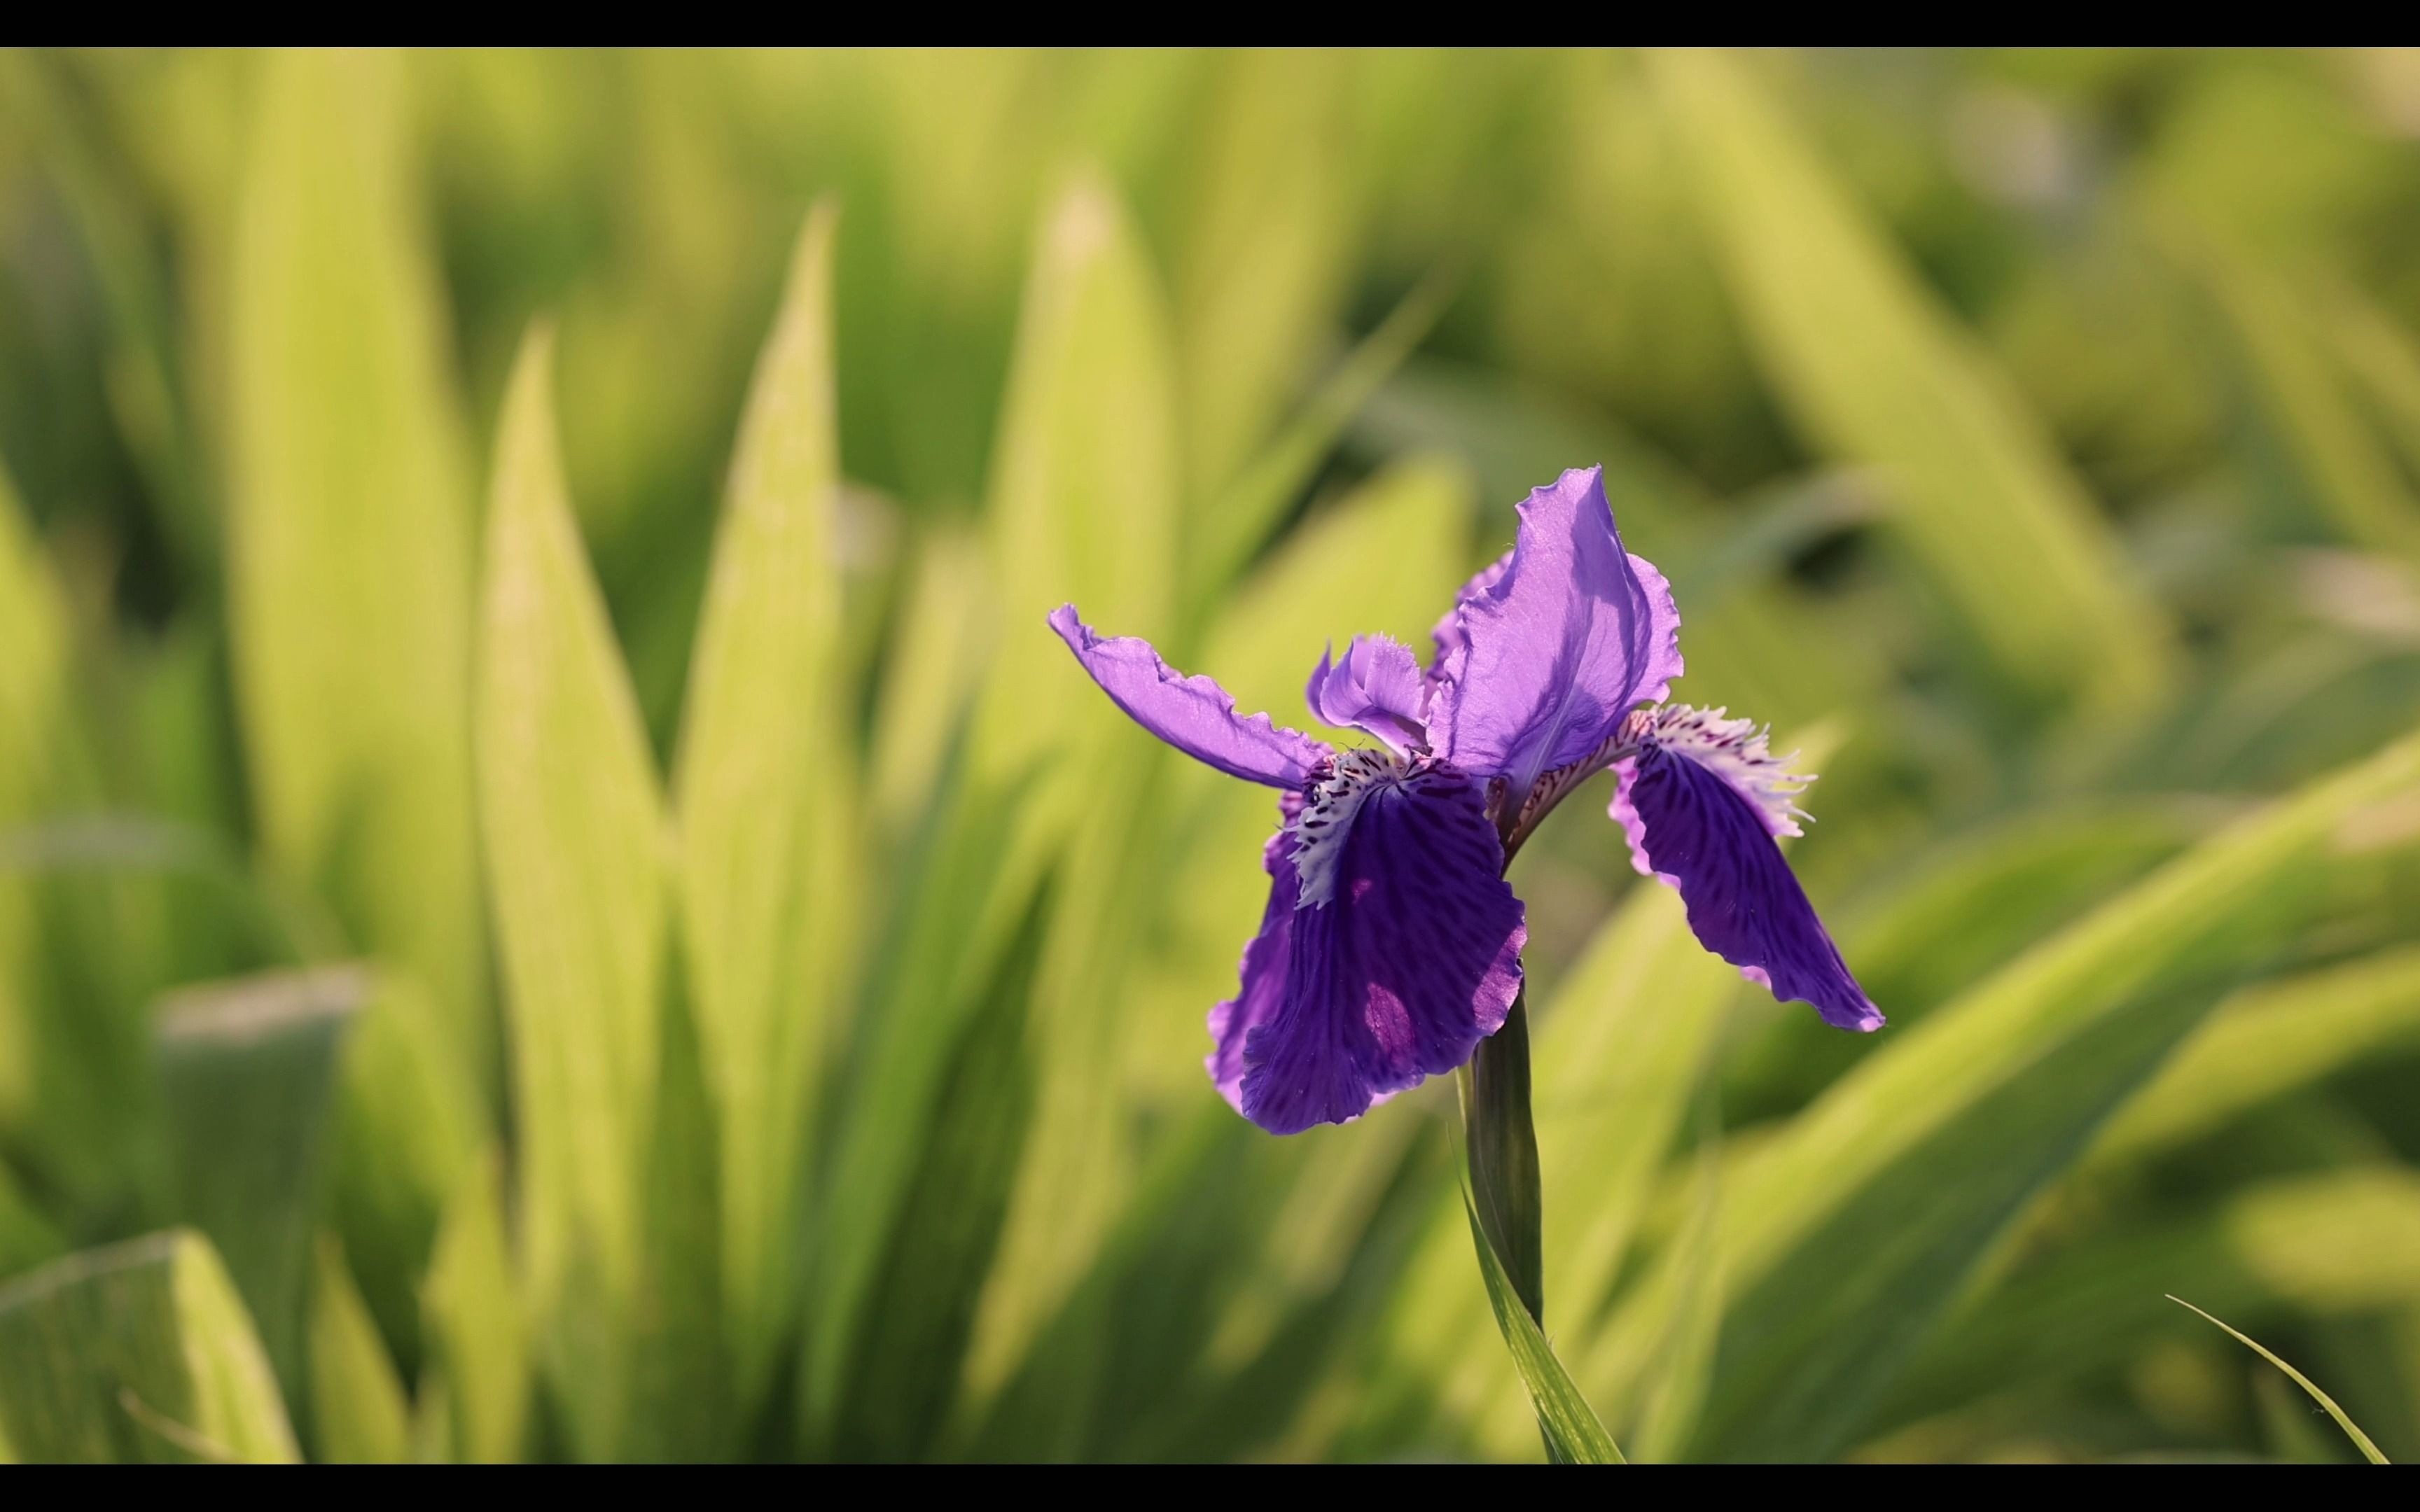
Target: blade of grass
[[359, 1412], [477, 1384], [2353, 1429], [139, 1352], [351, 505], [764, 789], [1085, 506], [575, 842], [247, 1069]]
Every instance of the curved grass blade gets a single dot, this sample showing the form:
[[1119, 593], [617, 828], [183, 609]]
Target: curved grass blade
[[765, 785], [2353, 1430], [139, 1352], [351, 505], [575, 839]]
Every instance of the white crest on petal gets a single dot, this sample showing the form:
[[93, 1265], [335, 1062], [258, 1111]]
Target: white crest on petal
[[1328, 806], [1736, 751]]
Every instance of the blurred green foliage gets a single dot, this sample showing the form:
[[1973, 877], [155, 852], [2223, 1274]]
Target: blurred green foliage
[[656, 954]]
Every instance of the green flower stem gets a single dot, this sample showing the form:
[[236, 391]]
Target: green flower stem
[[1502, 1144]]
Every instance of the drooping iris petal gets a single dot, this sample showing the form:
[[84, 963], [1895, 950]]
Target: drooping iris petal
[[1194, 714], [1547, 658], [1701, 806], [1414, 957], [1265, 963], [1377, 687]]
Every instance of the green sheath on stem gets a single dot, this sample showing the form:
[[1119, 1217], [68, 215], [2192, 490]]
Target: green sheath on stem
[[1503, 1151]]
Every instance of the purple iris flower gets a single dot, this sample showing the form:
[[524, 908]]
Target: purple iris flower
[[1391, 944]]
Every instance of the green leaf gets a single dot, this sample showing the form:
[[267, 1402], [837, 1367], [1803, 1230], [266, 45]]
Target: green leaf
[[2265, 1041], [477, 1326], [351, 505], [139, 1352], [1673, 1391], [408, 1127], [575, 846], [1873, 369], [682, 1398], [359, 1412], [1854, 1231], [1573, 1436], [1500, 1145], [247, 1069], [769, 876], [2353, 1430], [1084, 508]]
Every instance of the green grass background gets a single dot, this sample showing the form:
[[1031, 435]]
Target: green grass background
[[557, 900]]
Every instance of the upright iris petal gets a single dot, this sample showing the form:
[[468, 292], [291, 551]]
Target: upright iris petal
[[1703, 803], [1377, 687], [1549, 650]]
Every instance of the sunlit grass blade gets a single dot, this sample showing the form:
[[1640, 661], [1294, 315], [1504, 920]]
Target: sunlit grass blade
[[931, 674], [2353, 1429], [1873, 370], [1083, 508], [1673, 1391], [352, 516], [2264, 1043], [408, 1124], [247, 1069], [360, 1415], [139, 1352], [765, 785], [1573, 1436], [575, 845], [939, 954], [476, 1327]]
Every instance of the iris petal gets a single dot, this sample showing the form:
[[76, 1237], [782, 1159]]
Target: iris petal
[[1377, 687], [1194, 714], [1550, 650], [1414, 958], [1702, 814]]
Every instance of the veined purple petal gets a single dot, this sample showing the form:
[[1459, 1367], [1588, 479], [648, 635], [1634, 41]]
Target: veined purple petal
[[1702, 803], [1377, 687], [1265, 966], [1545, 660], [1413, 958], [1194, 714]]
